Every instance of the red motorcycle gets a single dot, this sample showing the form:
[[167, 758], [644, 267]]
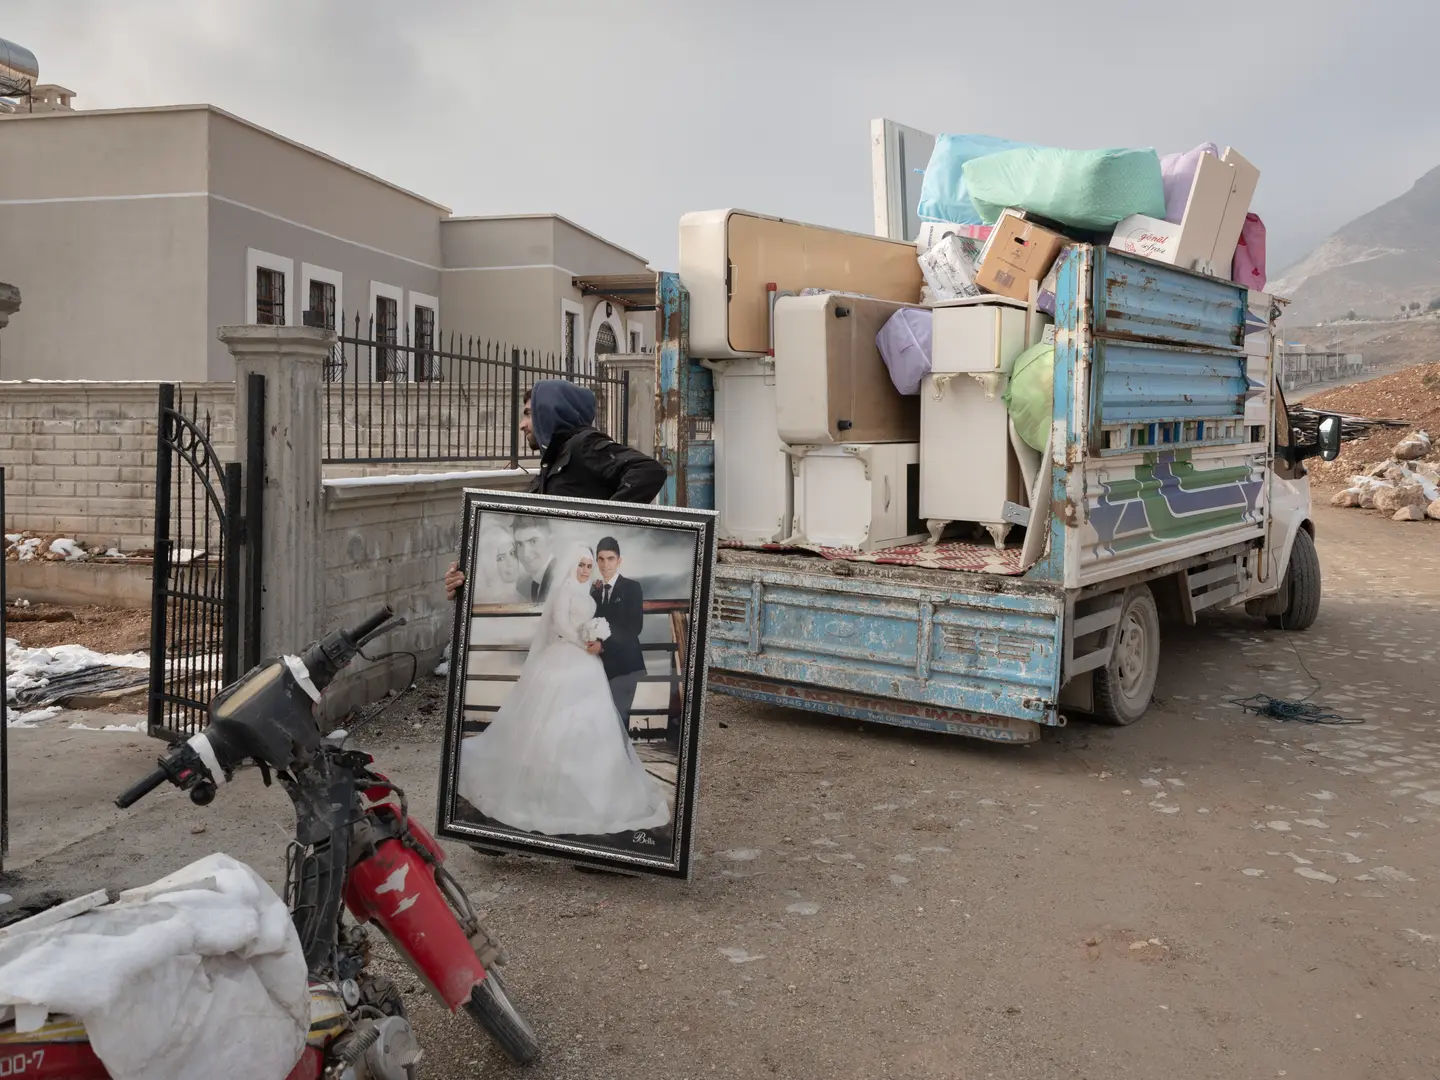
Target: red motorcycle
[[357, 849]]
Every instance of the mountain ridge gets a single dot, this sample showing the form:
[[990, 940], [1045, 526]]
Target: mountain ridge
[[1385, 258]]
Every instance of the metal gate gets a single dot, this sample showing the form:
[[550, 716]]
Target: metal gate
[[205, 614]]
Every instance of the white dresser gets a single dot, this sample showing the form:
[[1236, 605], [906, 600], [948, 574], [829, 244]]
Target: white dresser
[[970, 471]]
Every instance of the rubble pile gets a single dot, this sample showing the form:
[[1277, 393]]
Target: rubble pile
[[1413, 393], [1406, 486], [54, 547]]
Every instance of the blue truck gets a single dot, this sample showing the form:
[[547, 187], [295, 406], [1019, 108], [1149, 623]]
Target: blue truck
[[1175, 482]]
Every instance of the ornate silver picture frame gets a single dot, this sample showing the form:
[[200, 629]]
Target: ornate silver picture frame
[[578, 680]]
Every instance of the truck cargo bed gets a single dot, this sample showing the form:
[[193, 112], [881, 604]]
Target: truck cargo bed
[[958, 647]]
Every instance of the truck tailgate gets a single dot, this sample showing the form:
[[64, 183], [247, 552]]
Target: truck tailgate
[[965, 642]]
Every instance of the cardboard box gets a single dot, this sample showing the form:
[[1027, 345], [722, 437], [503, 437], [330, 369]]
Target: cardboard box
[[1017, 253], [932, 232], [1147, 237]]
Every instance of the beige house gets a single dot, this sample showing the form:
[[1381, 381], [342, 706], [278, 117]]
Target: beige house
[[133, 233]]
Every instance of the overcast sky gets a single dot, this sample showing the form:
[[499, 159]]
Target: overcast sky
[[624, 116]]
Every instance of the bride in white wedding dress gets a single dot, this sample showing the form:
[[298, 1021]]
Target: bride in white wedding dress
[[555, 760]]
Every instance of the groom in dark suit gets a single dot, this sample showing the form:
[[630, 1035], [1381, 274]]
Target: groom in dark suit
[[620, 602]]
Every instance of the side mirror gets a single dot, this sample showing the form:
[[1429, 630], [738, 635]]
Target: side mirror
[[1329, 437]]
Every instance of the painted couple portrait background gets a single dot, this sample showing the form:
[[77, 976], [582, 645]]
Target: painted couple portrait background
[[576, 696]]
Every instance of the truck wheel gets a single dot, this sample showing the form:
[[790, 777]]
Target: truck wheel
[[1124, 685], [1301, 586]]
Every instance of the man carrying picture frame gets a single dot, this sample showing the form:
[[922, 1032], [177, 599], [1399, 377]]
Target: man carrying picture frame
[[576, 458]]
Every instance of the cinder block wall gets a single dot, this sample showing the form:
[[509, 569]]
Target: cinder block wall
[[80, 460], [79, 457], [388, 541]]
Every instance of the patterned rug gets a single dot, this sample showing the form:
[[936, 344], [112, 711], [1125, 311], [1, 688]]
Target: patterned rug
[[962, 555]]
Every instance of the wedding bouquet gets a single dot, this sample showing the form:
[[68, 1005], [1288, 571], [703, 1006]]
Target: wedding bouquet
[[595, 630]]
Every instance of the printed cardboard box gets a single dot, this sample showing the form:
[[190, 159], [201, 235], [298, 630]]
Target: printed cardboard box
[[1017, 253]]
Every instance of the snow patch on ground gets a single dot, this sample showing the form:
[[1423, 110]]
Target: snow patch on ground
[[138, 727], [33, 717]]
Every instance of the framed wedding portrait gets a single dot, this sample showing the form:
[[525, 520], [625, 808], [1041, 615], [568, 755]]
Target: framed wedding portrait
[[577, 680]]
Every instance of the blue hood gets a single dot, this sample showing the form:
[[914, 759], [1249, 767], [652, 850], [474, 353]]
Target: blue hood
[[557, 405]]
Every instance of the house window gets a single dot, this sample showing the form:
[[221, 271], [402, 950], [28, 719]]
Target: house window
[[634, 341], [605, 343], [388, 365], [572, 323], [325, 308], [321, 312], [572, 339], [427, 368], [322, 304], [269, 300], [269, 296]]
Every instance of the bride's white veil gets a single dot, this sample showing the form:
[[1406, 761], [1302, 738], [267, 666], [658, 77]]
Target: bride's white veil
[[564, 588]]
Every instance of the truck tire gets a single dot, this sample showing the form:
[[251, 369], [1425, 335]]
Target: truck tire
[[1301, 587], [1123, 686]]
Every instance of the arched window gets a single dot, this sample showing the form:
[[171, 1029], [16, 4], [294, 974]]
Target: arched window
[[605, 343]]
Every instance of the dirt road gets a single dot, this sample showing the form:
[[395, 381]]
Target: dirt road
[[1203, 895]]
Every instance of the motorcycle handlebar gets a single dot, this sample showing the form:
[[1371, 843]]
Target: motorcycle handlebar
[[373, 623], [138, 791]]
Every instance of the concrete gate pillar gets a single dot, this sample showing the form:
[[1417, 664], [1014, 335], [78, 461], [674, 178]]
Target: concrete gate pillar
[[292, 568], [641, 414], [9, 303]]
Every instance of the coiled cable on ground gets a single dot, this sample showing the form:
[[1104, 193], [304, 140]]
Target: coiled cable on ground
[[1305, 712]]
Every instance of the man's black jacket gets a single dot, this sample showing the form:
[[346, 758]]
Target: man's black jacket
[[583, 463]]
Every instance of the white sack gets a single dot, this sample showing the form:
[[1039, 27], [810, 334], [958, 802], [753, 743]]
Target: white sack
[[207, 980]]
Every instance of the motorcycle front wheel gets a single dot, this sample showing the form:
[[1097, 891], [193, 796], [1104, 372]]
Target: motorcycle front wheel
[[491, 1008]]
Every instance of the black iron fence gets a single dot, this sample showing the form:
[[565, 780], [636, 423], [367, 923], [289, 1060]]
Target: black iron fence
[[405, 396]]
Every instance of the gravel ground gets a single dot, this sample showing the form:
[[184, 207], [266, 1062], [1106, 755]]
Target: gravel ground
[[1203, 895]]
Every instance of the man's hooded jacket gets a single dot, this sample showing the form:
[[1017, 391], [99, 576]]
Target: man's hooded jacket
[[578, 461]]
